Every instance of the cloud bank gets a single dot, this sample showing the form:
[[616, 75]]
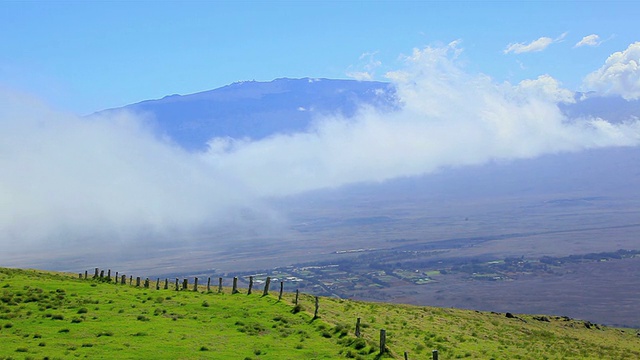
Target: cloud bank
[[449, 118], [620, 74], [65, 178]]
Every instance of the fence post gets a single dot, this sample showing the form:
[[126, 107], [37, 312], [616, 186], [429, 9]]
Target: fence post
[[235, 285], [195, 286], [297, 295], [281, 290], [383, 341], [266, 286], [250, 285], [95, 276], [177, 287], [406, 355], [219, 285], [358, 327], [166, 283], [79, 275], [138, 281], [123, 281], [435, 354], [146, 283], [185, 283], [117, 277], [158, 284], [209, 284], [109, 275], [315, 312], [101, 274]]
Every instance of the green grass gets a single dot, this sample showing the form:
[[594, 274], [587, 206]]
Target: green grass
[[57, 316]]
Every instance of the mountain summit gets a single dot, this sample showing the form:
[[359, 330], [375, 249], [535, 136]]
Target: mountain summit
[[252, 109]]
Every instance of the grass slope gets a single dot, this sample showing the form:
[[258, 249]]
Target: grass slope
[[57, 316]]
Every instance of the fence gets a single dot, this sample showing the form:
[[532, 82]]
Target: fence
[[122, 280]]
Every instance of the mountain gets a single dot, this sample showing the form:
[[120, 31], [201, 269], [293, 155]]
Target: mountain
[[258, 109]]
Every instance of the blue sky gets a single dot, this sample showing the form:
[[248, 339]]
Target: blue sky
[[87, 56]]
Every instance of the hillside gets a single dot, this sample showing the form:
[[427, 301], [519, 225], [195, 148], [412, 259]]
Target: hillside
[[55, 315]]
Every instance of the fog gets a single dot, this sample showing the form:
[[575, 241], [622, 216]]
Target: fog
[[66, 179]]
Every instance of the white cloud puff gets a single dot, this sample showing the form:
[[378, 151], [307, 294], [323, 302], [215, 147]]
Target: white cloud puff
[[545, 87], [620, 74], [589, 40], [534, 46]]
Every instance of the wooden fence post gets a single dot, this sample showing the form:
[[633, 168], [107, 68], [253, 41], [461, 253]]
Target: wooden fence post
[[117, 277], [86, 273], [130, 280], [137, 281], [358, 327], [146, 283], [79, 275], [95, 276], [315, 312], [158, 284], [435, 354], [250, 285], [406, 355], [101, 274], [266, 286], [209, 284], [124, 280], [195, 286], [177, 286], [281, 290], [185, 283], [297, 295], [166, 283], [219, 285], [383, 341], [235, 285], [109, 275]]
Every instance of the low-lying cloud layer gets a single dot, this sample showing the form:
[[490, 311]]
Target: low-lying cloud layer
[[66, 178]]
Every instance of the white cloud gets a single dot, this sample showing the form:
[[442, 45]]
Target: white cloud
[[589, 40], [620, 74], [534, 46], [547, 88], [68, 179]]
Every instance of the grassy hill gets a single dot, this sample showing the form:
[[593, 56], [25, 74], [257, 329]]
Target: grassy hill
[[58, 316]]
